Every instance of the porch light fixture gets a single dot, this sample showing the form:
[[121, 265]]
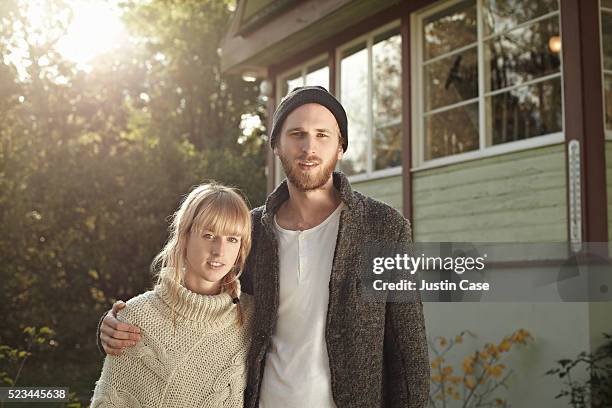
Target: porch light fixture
[[249, 76]]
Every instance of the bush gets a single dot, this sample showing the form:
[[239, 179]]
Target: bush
[[596, 391]]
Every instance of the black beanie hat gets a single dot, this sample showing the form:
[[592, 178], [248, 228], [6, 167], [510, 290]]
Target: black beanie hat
[[301, 96]]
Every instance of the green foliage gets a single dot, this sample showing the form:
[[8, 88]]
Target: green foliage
[[93, 163], [594, 392], [12, 360]]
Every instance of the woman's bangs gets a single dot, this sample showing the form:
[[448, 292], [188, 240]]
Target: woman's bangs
[[224, 215]]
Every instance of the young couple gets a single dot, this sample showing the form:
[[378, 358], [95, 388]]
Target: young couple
[[300, 334]]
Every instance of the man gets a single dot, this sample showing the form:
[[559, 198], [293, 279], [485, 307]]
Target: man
[[317, 342]]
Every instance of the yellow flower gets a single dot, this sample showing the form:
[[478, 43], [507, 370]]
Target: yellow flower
[[492, 350], [497, 370], [469, 382], [443, 341], [521, 336], [436, 362], [505, 345], [447, 370], [468, 364], [458, 339]]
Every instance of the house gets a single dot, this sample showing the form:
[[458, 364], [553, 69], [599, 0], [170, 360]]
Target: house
[[480, 120]]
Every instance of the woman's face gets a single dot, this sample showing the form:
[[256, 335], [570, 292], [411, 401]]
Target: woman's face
[[210, 257]]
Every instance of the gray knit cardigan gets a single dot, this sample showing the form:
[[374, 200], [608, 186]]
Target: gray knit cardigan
[[377, 350]]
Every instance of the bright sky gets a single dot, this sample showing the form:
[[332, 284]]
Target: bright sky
[[96, 28]]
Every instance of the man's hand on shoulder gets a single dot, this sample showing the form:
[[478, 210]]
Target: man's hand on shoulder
[[116, 335]]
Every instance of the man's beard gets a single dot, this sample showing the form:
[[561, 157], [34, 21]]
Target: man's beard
[[312, 180]]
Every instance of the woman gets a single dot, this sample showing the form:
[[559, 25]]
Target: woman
[[195, 325]]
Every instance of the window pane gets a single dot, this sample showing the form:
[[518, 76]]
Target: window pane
[[451, 132], [291, 83], [387, 79], [525, 112], [318, 75], [354, 97], [608, 98], [449, 29], [387, 100], [606, 3], [501, 15], [387, 147], [523, 54], [452, 79], [606, 40]]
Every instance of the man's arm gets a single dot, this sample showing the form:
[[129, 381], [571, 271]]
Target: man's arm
[[116, 386], [246, 278], [406, 346], [112, 335]]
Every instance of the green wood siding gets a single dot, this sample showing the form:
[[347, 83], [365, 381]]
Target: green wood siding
[[388, 190], [513, 197], [609, 186]]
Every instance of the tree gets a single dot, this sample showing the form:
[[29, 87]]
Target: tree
[[93, 163]]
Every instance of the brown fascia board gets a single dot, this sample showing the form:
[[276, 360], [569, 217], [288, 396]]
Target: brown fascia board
[[289, 33]]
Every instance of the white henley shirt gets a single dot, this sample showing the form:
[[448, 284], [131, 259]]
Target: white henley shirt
[[296, 372]]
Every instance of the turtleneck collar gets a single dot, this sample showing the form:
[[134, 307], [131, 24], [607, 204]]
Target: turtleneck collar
[[204, 309]]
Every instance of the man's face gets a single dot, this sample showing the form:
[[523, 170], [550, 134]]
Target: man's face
[[309, 146]]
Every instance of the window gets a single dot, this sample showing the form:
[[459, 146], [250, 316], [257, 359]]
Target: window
[[370, 91], [606, 47], [486, 73], [310, 74]]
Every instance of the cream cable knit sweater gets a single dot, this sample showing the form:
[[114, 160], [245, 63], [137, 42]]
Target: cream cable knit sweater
[[202, 365]]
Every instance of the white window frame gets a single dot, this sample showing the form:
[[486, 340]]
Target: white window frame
[[280, 79], [416, 58], [368, 39], [602, 9]]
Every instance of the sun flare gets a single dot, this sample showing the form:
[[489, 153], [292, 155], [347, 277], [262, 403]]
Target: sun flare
[[95, 29]]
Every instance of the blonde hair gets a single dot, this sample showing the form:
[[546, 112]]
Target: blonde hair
[[215, 208]]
